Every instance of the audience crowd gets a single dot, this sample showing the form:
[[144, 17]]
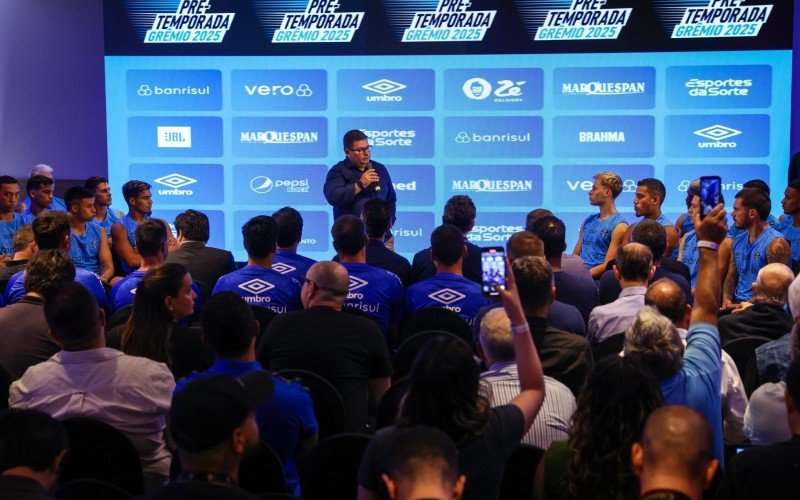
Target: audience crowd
[[654, 360]]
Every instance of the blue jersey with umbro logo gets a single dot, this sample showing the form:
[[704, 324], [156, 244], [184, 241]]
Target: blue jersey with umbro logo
[[375, 291], [124, 292], [263, 287], [291, 264], [451, 291]]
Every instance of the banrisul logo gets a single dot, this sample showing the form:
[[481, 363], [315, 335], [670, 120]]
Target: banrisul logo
[[580, 20], [451, 21], [190, 23], [320, 22], [713, 18]]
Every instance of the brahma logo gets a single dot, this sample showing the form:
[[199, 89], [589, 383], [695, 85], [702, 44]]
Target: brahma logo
[[283, 268], [384, 87], [256, 286], [175, 182], [446, 296], [506, 91], [717, 134], [605, 136]]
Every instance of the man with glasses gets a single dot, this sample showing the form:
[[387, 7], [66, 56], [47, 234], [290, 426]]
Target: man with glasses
[[357, 179]]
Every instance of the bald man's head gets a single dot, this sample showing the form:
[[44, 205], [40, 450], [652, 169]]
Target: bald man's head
[[773, 282], [330, 281], [634, 261], [677, 441], [666, 296]]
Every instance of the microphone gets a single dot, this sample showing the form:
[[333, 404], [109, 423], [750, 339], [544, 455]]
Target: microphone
[[370, 167]]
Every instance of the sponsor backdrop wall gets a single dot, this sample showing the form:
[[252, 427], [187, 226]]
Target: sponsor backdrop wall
[[238, 108]]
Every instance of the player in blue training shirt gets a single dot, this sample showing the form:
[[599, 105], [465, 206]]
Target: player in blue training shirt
[[754, 247], [790, 225], [104, 214], [602, 233], [772, 221], [55, 204], [89, 247], [689, 254], [290, 231], [40, 189], [373, 290], [51, 232], [257, 283], [447, 288], [650, 195], [10, 220]]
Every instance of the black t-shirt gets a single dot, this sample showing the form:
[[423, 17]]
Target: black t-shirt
[[763, 472], [344, 349], [422, 267], [482, 459], [197, 490]]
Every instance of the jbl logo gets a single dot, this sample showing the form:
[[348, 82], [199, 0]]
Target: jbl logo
[[174, 137]]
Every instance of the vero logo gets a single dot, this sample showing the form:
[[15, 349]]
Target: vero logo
[[717, 132], [446, 296], [356, 283], [256, 286]]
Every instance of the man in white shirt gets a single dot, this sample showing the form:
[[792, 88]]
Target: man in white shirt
[[87, 379]]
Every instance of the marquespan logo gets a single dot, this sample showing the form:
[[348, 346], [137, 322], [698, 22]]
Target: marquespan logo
[[507, 90], [446, 296], [320, 22], [256, 286], [278, 137], [712, 18], [717, 134], [602, 88], [356, 283], [452, 21], [493, 185], [191, 22], [577, 20], [283, 268]]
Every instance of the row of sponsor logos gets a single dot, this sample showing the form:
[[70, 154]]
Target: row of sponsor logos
[[686, 87], [621, 136], [416, 185]]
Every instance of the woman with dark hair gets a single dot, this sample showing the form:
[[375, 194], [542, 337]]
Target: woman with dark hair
[[163, 297], [595, 462], [443, 393]]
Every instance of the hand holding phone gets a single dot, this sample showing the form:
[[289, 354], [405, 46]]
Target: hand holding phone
[[710, 190], [493, 269]]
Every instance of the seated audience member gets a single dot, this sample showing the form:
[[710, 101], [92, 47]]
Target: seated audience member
[[674, 458], [87, 379], [290, 234], [32, 448], [691, 377], [500, 383], [769, 471], [213, 422], [652, 235], [459, 211], [205, 264], [687, 253], [51, 232], [666, 296], [570, 263], [443, 392], [765, 313], [563, 355], [790, 225], [756, 245], [40, 193], [633, 269], [104, 214], [374, 290], [24, 248], [612, 408], [772, 221], [24, 334], [602, 233], [377, 216], [46, 171], [286, 421], [423, 463], [347, 350], [572, 290], [163, 297], [650, 195], [765, 420], [257, 283], [88, 240], [448, 287], [10, 220]]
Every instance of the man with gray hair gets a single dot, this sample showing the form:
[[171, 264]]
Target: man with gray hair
[[764, 314], [690, 378], [47, 171], [500, 384], [633, 269]]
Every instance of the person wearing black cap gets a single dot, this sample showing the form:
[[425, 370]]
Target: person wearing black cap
[[213, 422]]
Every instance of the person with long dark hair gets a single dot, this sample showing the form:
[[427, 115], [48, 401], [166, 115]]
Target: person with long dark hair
[[162, 299], [443, 393]]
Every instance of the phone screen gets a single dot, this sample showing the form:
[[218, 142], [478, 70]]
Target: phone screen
[[710, 188], [493, 269]]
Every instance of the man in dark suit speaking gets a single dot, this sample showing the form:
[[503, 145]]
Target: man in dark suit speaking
[[205, 264]]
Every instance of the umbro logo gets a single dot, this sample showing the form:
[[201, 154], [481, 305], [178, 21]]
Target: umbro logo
[[256, 286], [383, 86], [283, 268], [717, 132], [175, 180], [356, 283], [446, 296]]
